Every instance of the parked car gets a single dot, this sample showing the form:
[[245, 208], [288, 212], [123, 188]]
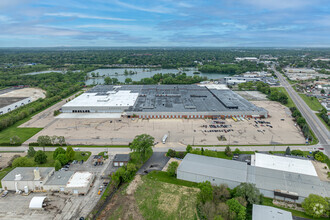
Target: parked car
[[5, 193]]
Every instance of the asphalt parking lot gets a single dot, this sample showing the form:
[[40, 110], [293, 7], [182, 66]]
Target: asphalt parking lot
[[156, 162]]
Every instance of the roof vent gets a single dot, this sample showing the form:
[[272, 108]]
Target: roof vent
[[18, 177]]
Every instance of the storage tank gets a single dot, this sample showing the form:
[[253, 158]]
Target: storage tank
[[26, 189]]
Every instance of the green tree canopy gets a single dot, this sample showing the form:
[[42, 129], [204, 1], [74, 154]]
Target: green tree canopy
[[315, 205], [57, 165], [249, 192], [142, 144], [62, 158], [70, 153], [172, 167], [40, 157], [31, 152], [236, 207], [58, 151], [22, 162], [206, 193]]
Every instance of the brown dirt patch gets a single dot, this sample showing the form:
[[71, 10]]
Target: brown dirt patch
[[321, 171], [124, 206], [134, 185], [168, 202]]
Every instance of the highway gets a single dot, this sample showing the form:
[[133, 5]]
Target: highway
[[320, 131]]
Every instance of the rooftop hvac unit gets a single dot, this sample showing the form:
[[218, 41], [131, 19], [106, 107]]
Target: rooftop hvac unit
[[18, 177]]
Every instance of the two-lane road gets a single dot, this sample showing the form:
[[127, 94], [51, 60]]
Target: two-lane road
[[320, 131]]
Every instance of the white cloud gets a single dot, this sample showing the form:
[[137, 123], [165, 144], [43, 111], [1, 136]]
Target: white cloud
[[158, 9], [79, 15], [5, 19], [116, 26], [280, 4]]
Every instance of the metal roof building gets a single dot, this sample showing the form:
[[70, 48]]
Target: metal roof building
[[261, 212], [197, 168], [8, 104], [164, 101]]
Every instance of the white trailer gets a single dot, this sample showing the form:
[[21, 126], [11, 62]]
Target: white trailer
[[164, 138]]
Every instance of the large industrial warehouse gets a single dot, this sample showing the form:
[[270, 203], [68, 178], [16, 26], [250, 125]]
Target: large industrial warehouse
[[272, 182], [164, 101], [8, 104]]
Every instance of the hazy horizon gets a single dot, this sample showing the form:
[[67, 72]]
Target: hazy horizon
[[165, 23]]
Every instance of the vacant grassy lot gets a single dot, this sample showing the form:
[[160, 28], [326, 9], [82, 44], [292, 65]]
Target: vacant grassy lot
[[23, 133], [312, 102], [160, 200]]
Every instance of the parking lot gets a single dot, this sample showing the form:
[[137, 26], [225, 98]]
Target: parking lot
[[60, 206], [180, 131]]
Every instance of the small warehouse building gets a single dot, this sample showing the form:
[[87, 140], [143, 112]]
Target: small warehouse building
[[262, 212], [47, 179], [79, 183], [8, 104], [121, 160], [33, 178], [279, 184]]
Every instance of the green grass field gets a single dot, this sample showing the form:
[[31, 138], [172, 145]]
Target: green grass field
[[165, 177], [312, 102], [23, 133], [161, 200]]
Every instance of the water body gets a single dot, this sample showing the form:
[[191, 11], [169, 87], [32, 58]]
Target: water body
[[143, 73], [50, 71]]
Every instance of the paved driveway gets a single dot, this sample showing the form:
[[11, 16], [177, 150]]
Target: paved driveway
[[156, 162]]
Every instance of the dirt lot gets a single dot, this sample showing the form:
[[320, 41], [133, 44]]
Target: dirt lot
[[34, 93], [180, 131], [321, 171], [6, 157]]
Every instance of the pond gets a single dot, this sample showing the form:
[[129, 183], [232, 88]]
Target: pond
[[49, 71], [143, 73]]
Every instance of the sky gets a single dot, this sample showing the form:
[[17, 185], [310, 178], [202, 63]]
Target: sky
[[165, 23]]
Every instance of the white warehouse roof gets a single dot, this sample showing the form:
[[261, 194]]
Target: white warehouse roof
[[36, 202], [79, 179], [288, 164], [261, 212], [121, 98]]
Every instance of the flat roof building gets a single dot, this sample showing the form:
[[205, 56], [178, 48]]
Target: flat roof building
[[283, 163], [8, 104], [164, 101], [47, 179], [262, 212], [197, 168]]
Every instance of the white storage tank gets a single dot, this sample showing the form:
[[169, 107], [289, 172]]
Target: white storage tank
[[26, 189]]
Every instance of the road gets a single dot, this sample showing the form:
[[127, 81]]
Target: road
[[320, 131], [114, 150]]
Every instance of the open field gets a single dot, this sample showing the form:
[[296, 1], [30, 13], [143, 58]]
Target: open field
[[180, 131], [312, 102], [153, 199]]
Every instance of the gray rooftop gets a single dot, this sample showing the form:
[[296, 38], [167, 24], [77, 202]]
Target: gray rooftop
[[121, 158], [60, 177], [27, 173], [270, 179], [264, 178], [214, 167], [4, 101], [261, 212], [181, 98]]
